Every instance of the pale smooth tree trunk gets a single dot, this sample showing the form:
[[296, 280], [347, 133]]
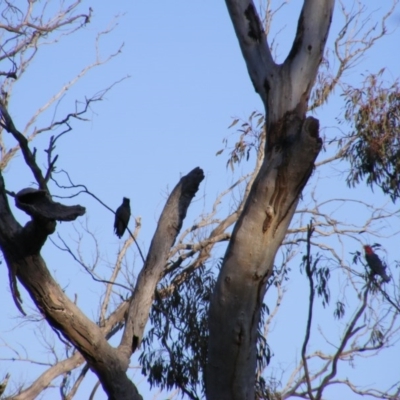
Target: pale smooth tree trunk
[[292, 146]]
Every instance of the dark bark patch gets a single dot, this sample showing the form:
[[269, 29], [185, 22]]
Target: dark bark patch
[[268, 218], [278, 199], [39, 205], [239, 337], [266, 223], [300, 159], [255, 28], [313, 128], [281, 134], [135, 343], [34, 235], [297, 139], [267, 87]]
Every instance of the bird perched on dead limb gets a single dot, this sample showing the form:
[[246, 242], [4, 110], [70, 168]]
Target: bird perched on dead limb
[[122, 216], [375, 263]]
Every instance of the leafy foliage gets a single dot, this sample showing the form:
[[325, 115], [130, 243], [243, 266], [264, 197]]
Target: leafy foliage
[[374, 150], [340, 310], [267, 390], [322, 276], [174, 350], [251, 133], [263, 350], [377, 337]]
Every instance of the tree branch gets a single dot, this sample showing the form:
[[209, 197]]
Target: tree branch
[[350, 331], [309, 273], [309, 43], [7, 123], [168, 227], [253, 43]]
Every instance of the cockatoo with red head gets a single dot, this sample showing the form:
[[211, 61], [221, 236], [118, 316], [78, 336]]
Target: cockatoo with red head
[[375, 263]]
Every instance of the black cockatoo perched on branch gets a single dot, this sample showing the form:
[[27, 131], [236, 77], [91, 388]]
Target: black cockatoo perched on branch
[[122, 216], [375, 263]]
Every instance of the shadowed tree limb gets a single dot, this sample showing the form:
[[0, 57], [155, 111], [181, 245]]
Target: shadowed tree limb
[[7, 123]]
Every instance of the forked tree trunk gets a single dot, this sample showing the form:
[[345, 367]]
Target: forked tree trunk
[[292, 146]]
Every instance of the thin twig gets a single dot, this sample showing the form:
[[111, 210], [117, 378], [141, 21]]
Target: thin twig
[[309, 273]]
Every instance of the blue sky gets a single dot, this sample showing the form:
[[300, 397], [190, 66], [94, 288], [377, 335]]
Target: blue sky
[[187, 79]]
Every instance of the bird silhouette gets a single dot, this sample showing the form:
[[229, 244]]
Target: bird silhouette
[[122, 216], [375, 263]]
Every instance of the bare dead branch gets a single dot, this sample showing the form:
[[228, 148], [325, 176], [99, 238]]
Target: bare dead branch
[[7, 123], [116, 270], [350, 331], [67, 249], [167, 230], [77, 383], [357, 35], [111, 325]]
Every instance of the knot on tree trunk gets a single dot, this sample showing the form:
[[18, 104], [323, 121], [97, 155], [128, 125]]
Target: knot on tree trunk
[[39, 205]]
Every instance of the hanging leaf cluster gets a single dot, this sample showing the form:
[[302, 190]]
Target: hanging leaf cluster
[[175, 348], [251, 133], [263, 388], [373, 148]]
